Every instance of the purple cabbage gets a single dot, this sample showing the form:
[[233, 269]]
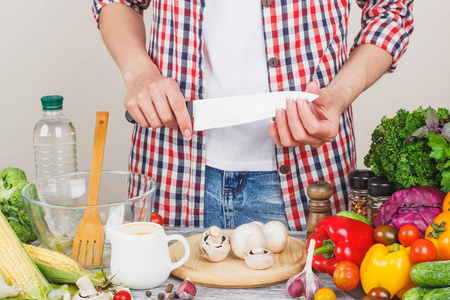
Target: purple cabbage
[[417, 206]]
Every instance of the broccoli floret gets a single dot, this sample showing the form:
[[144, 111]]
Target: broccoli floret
[[24, 233], [12, 181], [12, 177], [16, 200]]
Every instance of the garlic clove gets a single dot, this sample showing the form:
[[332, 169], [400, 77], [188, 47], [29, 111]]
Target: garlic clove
[[295, 286], [186, 290]]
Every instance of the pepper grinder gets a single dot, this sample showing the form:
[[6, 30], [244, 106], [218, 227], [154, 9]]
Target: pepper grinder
[[319, 193]]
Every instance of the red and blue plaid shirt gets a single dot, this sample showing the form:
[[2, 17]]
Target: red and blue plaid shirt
[[309, 40]]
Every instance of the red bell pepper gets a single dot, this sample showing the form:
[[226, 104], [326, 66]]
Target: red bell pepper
[[337, 239]]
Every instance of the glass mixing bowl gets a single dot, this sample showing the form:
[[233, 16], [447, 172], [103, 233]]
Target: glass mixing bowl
[[56, 205]]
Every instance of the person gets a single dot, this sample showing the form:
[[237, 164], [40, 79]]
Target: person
[[206, 49]]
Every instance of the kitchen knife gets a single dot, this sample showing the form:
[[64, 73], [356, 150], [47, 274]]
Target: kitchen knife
[[230, 111]]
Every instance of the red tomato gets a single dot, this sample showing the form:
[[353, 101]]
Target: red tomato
[[408, 234], [156, 218], [422, 250], [346, 275], [122, 295]]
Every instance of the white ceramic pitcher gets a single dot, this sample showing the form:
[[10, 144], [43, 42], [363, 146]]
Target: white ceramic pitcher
[[140, 254]]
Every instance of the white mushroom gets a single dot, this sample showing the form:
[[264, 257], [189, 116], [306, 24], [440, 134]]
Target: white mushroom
[[87, 290], [258, 258], [214, 245], [260, 224], [240, 242], [277, 236]]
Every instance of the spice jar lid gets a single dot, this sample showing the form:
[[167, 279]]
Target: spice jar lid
[[358, 178], [380, 187]]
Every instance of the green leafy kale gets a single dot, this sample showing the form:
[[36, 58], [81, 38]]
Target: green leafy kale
[[441, 153], [405, 164], [12, 181]]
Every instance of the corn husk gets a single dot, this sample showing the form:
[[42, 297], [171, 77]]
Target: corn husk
[[44, 288], [8, 290]]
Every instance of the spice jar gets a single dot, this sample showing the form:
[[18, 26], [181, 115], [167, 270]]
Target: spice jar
[[357, 191], [379, 191]]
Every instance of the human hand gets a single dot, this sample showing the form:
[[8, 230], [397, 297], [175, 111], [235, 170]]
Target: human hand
[[156, 101], [304, 123]]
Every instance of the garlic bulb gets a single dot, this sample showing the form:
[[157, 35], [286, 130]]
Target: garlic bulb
[[8, 290], [305, 283]]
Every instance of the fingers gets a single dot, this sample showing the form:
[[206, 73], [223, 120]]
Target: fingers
[[288, 130], [159, 103], [313, 87], [178, 106], [317, 122], [273, 132]]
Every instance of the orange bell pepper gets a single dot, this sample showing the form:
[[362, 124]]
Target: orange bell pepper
[[446, 205], [439, 234]]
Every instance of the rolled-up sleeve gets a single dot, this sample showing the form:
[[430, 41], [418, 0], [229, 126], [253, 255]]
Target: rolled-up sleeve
[[387, 24], [138, 5]]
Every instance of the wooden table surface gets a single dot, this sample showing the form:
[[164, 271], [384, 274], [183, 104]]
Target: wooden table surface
[[273, 292]]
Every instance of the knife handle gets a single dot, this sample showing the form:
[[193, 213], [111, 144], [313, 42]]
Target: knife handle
[[129, 117], [189, 107]]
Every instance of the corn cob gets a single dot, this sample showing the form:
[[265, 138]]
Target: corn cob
[[52, 258], [57, 267], [16, 266]]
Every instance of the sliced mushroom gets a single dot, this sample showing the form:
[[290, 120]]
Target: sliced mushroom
[[214, 245], [277, 236], [258, 258], [87, 290]]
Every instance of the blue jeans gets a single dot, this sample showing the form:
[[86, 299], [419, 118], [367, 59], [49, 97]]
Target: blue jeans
[[234, 198]]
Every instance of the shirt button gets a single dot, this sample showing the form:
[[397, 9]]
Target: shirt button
[[284, 169], [266, 3], [273, 62]]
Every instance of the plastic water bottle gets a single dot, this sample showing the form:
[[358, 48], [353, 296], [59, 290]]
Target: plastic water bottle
[[54, 140]]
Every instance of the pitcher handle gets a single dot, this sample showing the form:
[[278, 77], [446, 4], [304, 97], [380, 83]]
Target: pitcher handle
[[187, 250]]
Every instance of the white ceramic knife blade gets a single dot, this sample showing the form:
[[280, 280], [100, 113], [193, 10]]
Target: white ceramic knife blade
[[230, 111]]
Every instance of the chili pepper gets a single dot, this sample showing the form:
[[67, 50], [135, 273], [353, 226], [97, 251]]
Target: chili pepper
[[386, 266], [341, 239], [439, 233]]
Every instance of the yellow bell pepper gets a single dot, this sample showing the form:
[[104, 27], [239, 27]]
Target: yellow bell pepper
[[408, 285], [386, 266]]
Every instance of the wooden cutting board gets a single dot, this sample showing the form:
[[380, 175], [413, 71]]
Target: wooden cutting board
[[233, 272]]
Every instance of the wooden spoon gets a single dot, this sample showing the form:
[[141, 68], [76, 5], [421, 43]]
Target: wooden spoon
[[90, 235]]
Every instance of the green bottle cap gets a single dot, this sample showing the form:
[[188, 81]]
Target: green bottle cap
[[52, 102]]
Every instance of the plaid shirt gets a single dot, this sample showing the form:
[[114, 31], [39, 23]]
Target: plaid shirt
[[308, 40]]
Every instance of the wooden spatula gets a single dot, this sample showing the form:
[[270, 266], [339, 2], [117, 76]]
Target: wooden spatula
[[90, 236]]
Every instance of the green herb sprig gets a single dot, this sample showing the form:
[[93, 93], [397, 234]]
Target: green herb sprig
[[406, 164], [441, 153]]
